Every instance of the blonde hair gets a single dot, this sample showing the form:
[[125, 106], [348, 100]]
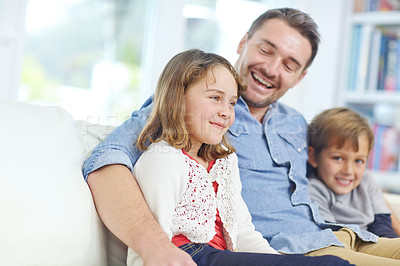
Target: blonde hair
[[166, 121], [339, 127]]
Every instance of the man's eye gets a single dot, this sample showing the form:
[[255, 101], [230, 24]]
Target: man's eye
[[289, 67], [265, 51]]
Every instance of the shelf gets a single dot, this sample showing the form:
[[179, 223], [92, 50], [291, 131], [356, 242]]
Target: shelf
[[376, 18], [384, 97]]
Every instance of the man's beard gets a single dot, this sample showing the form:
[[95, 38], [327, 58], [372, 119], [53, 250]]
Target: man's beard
[[261, 104]]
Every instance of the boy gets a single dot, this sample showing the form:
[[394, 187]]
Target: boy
[[339, 141]]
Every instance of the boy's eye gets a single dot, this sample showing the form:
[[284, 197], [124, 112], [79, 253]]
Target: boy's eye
[[216, 98], [337, 158], [232, 103], [360, 161]]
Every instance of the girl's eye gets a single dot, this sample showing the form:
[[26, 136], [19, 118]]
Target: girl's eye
[[216, 98], [232, 103]]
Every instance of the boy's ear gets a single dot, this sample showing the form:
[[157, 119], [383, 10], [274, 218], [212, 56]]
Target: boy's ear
[[312, 160]]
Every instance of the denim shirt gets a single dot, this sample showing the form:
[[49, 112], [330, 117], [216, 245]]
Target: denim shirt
[[272, 163], [120, 145]]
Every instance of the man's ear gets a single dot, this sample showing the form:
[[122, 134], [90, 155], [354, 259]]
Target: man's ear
[[312, 160], [300, 78], [242, 44]]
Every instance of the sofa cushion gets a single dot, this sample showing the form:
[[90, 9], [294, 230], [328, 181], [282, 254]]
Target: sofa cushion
[[90, 136], [47, 212]]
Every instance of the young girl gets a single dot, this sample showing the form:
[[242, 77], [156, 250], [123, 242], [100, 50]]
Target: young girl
[[339, 142], [188, 172]]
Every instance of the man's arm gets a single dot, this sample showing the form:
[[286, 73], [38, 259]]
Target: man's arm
[[122, 208]]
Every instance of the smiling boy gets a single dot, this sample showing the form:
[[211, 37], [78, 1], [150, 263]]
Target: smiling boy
[[339, 143]]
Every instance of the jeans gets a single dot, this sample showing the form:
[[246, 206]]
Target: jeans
[[205, 255]]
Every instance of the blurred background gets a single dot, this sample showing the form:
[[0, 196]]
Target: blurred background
[[100, 59]]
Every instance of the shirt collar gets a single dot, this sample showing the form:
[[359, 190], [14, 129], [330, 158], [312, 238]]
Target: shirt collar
[[243, 116]]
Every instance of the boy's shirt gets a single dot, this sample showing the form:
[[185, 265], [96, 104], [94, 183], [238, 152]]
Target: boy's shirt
[[357, 207]]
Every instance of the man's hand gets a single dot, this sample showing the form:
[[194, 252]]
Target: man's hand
[[167, 255]]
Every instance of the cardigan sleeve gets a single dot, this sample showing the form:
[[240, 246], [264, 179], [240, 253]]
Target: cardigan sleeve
[[248, 239], [161, 175]]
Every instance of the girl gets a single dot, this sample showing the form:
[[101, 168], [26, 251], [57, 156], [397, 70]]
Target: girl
[[188, 172]]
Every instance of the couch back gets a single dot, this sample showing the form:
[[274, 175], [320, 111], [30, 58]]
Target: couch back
[[47, 213]]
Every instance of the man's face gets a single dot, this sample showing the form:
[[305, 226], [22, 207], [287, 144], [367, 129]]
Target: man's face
[[272, 61]]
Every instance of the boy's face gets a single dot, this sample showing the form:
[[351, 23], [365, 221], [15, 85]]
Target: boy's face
[[341, 169]]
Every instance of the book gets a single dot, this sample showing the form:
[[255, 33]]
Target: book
[[385, 153], [374, 59], [390, 78], [363, 60], [354, 58], [390, 149]]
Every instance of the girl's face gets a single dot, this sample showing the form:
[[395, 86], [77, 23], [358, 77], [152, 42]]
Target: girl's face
[[341, 169], [210, 107]]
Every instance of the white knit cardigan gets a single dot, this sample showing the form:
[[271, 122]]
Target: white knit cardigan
[[180, 193]]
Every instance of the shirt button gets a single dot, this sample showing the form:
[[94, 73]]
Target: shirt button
[[298, 149]]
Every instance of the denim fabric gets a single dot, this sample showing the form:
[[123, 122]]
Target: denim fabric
[[119, 147], [205, 255], [272, 162]]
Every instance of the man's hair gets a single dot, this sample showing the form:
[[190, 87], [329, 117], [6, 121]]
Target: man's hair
[[167, 119], [296, 19], [338, 127]]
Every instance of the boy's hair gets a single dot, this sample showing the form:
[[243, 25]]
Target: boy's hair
[[339, 127], [166, 121], [296, 19]]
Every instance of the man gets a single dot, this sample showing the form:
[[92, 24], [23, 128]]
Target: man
[[270, 139]]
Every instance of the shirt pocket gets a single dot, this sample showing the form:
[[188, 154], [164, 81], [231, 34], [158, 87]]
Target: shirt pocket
[[251, 148], [296, 141]]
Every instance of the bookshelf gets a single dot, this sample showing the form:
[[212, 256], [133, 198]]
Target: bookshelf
[[371, 80]]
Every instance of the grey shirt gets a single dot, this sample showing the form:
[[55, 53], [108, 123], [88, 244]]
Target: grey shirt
[[357, 207]]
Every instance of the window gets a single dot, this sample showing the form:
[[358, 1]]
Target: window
[[84, 55]]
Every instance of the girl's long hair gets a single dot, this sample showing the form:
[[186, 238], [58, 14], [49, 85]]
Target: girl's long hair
[[167, 119]]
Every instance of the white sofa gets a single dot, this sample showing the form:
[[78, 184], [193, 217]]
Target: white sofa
[[47, 215]]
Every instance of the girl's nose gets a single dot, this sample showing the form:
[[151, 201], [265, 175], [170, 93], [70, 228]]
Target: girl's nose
[[225, 112]]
